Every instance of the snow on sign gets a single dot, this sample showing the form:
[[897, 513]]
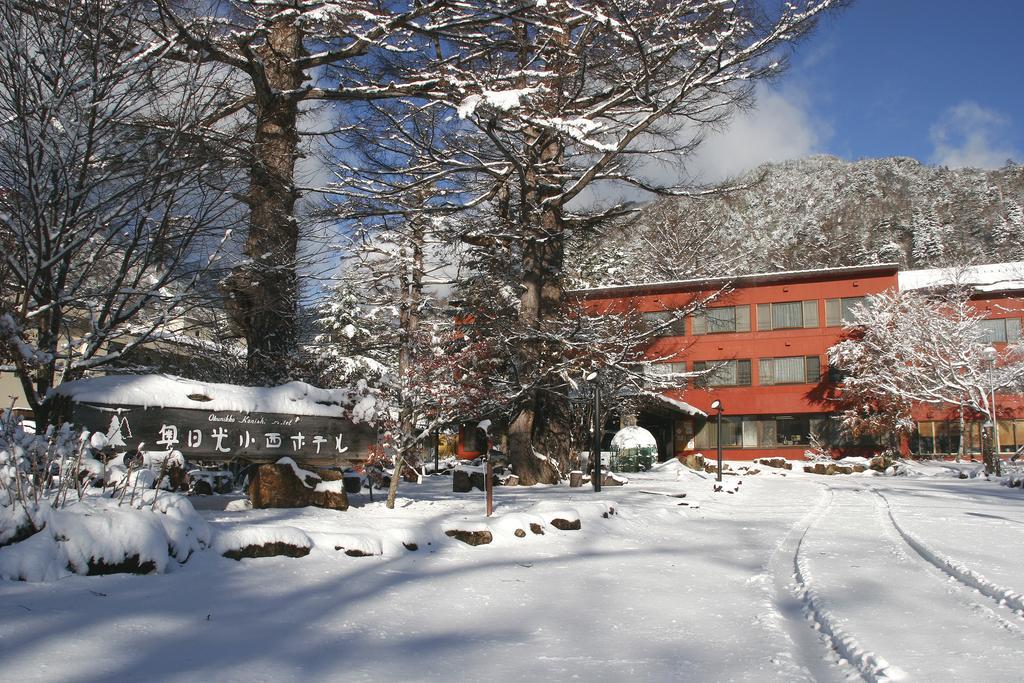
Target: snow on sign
[[222, 422]]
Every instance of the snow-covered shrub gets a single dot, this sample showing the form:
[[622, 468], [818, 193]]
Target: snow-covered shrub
[[36, 470], [818, 452], [53, 523], [100, 535]]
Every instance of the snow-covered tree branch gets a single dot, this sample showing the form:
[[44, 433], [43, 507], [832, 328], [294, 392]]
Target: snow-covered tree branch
[[924, 348], [112, 209]]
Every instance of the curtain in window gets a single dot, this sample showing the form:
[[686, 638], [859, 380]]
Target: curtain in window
[[724, 375], [1013, 330], [789, 314], [813, 365], [722, 319], [849, 306], [833, 312], [789, 370], [995, 330], [656, 319], [810, 313]]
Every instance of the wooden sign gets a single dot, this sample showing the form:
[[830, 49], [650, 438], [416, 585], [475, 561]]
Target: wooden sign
[[226, 435]]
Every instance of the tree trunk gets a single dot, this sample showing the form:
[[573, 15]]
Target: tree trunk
[[987, 453], [541, 424], [961, 449], [411, 296], [263, 292]]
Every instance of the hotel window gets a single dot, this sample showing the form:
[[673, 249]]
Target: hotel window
[[732, 433], [665, 323], [662, 369], [787, 315], [935, 437], [789, 370], [722, 319], [1001, 330], [763, 431], [840, 312], [726, 373]]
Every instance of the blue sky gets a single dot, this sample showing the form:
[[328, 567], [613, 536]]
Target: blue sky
[[937, 80]]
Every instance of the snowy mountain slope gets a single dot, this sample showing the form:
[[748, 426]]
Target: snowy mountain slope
[[819, 212]]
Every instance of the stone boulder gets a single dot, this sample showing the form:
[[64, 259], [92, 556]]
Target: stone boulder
[[879, 463], [694, 461], [129, 565], [461, 482], [279, 486], [470, 537], [478, 480], [612, 479], [276, 549], [566, 524], [778, 463]]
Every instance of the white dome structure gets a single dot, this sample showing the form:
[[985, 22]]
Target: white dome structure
[[633, 437]]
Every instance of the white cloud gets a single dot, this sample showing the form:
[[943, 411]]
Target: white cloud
[[778, 128], [968, 134]]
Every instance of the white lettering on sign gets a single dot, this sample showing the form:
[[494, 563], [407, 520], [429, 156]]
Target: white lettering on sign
[[195, 438], [219, 435], [168, 436], [273, 439]]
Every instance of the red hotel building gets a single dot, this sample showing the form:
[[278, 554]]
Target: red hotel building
[[770, 335]]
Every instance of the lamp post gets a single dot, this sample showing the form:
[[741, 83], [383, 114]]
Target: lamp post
[[717, 405], [990, 355], [595, 451]]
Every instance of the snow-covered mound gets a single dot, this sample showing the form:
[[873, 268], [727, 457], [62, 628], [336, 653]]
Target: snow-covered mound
[[99, 535], [242, 537], [633, 437]]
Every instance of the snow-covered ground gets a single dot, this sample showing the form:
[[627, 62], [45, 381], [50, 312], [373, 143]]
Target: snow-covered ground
[[792, 577]]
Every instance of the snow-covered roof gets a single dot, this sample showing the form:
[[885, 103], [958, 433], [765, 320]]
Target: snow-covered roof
[[166, 391], [991, 277], [680, 405], [751, 278]]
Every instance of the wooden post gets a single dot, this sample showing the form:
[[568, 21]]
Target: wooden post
[[489, 486]]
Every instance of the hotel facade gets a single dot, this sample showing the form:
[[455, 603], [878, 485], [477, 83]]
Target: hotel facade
[[765, 340]]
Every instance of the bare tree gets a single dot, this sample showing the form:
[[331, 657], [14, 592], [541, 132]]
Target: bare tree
[[111, 211], [556, 99], [285, 56]]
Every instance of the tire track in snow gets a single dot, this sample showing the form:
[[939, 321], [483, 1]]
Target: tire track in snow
[[869, 665], [1001, 595], [809, 645]]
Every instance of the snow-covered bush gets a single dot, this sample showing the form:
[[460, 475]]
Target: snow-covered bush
[[102, 535], [36, 469], [54, 523]]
